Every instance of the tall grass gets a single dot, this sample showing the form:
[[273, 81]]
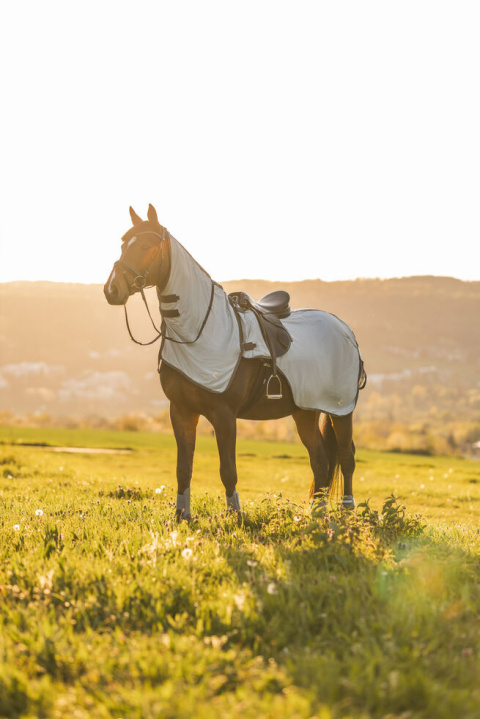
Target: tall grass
[[109, 608]]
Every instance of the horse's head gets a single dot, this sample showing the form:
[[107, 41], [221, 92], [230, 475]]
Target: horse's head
[[144, 262]]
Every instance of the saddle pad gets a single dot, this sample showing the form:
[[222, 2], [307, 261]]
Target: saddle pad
[[323, 363]]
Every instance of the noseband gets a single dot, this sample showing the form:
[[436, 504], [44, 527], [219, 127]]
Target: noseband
[[140, 280]]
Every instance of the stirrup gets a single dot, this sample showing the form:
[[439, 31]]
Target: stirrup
[[268, 395]]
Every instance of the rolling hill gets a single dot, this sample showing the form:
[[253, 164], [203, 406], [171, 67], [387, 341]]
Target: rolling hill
[[65, 351]]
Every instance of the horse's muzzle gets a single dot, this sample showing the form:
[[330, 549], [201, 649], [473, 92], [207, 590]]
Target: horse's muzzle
[[114, 294]]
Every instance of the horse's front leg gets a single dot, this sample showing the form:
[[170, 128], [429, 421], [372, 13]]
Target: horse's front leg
[[225, 425], [184, 423]]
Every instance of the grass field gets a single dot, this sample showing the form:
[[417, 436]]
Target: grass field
[[108, 608]]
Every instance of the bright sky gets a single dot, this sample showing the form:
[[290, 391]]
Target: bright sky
[[328, 139]]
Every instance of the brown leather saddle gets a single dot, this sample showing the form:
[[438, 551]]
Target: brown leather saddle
[[269, 311]]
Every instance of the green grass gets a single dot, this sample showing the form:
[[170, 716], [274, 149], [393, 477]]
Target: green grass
[[108, 608]]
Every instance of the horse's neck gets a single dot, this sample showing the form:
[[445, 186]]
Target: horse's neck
[[192, 286]]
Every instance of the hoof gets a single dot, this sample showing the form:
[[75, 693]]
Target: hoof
[[348, 501], [183, 505], [233, 502]]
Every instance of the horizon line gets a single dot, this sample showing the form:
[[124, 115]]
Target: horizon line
[[260, 279]]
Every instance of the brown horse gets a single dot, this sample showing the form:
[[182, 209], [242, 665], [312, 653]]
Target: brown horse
[[147, 261]]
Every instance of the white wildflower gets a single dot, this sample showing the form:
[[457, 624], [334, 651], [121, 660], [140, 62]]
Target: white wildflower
[[239, 599], [46, 581], [187, 553], [151, 548], [16, 527], [39, 512], [272, 588]]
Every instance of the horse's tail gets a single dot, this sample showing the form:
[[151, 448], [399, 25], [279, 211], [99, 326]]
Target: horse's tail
[[335, 478]]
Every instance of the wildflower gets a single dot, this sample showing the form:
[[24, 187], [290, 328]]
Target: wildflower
[[159, 490], [239, 599], [187, 553], [272, 588], [16, 527], [39, 512], [46, 581], [297, 518]]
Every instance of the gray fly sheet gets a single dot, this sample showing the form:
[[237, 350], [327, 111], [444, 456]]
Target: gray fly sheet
[[323, 365]]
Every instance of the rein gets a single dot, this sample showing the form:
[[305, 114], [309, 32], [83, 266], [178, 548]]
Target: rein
[[159, 332], [162, 334], [140, 282]]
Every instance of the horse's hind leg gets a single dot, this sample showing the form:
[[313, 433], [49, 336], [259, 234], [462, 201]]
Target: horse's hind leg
[[343, 428], [309, 432], [184, 423]]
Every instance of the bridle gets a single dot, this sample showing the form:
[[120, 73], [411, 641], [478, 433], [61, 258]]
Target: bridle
[[140, 282]]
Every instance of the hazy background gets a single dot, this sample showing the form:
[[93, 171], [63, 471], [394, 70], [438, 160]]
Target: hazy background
[[67, 359]]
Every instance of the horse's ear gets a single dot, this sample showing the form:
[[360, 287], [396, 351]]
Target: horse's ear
[[152, 214], [135, 218]]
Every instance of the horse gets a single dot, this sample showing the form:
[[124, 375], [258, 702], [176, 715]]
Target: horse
[[194, 343]]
